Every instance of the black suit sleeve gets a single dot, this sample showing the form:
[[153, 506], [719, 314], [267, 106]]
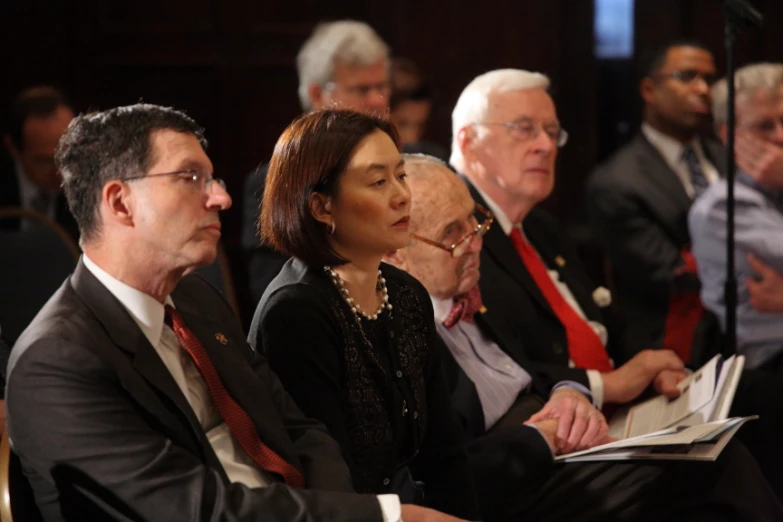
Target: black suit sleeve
[[91, 436], [640, 250]]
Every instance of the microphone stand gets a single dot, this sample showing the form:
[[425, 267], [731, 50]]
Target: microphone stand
[[738, 14]]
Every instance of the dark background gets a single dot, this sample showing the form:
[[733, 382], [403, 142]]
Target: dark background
[[230, 65]]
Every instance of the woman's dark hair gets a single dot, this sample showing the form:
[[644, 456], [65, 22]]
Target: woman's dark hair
[[310, 157]]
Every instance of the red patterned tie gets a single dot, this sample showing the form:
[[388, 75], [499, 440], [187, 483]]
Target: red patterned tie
[[236, 418], [584, 346], [464, 308]]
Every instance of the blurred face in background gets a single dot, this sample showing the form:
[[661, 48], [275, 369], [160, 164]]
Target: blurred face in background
[[363, 88], [40, 136], [677, 96], [410, 117]]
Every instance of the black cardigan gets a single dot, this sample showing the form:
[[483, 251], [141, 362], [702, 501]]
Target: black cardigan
[[388, 407]]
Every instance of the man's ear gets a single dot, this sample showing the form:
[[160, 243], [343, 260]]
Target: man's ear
[[315, 92], [647, 89], [11, 147], [321, 208], [117, 203], [465, 139]]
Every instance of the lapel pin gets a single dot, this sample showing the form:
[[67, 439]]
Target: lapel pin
[[559, 261], [483, 309], [221, 338]]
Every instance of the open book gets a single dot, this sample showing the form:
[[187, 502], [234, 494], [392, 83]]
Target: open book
[[694, 426]]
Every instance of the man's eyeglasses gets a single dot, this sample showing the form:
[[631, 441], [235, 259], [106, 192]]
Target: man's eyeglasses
[[525, 129], [361, 90], [764, 127], [689, 76], [199, 179], [459, 248]]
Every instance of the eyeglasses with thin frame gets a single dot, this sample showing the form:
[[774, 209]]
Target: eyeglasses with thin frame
[[525, 129], [361, 90], [688, 76], [201, 179], [461, 246], [765, 127]]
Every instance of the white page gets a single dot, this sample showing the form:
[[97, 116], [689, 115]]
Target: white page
[[657, 413]]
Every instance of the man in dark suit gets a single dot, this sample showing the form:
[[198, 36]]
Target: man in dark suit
[[29, 179], [343, 64], [133, 394], [516, 414], [638, 200]]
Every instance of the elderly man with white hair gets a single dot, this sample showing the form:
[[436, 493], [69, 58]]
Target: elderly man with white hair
[[504, 403], [506, 139], [758, 250], [343, 64]]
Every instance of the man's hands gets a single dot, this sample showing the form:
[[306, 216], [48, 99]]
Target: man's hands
[[628, 381], [413, 513], [766, 293], [761, 159], [569, 422], [666, 382]]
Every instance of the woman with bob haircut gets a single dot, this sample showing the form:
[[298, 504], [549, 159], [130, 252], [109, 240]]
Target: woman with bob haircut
[[351, 338]]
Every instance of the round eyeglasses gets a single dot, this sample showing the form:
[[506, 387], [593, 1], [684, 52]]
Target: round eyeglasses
[[461, 246]]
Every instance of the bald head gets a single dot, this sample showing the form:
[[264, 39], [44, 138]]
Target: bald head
[[442, 212], [433, 186]]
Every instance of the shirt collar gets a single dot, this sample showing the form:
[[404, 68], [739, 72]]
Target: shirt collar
[[670, 149], [500, 217], [143, 308], [441, 307]]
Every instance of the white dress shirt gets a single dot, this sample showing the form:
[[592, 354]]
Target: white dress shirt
[[671, 150], [593, 376], [149, 314]]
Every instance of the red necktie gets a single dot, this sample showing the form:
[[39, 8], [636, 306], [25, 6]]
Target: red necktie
[[584, 346], [464, 308], [236, 418]]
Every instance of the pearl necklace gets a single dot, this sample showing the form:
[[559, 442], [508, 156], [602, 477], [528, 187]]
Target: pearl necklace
[[355, 308]]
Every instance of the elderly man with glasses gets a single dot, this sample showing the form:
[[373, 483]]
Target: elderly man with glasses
[[505, 404]]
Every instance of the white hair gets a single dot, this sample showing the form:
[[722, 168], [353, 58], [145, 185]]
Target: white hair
[[748, 81], [351, 42], [473, 103]]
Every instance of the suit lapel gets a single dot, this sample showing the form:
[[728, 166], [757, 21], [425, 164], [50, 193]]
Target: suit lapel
[[125, 333], [662, 181], [499, 248]]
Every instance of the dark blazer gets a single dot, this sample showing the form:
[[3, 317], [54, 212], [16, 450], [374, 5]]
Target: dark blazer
[[104, 432], [10, 197], [520, 311], [378, 387], [638, 210]]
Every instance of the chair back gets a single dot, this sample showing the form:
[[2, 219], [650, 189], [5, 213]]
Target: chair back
[[35, 258], [16, 495]]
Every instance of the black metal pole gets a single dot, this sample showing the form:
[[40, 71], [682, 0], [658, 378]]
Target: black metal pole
[[738, 13]]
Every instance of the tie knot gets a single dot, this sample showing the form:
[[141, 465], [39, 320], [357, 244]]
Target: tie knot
[[464, 308]]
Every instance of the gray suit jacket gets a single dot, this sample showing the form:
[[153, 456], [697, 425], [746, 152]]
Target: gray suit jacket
[[638, 210], [104, 433]]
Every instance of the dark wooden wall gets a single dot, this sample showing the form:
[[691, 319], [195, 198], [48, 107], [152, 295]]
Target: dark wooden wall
[[230, 63]]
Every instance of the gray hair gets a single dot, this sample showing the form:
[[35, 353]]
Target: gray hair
[[473, 103], [748, 81], [351, 42]]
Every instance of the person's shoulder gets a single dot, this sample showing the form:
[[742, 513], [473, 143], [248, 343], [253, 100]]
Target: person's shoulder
[[618, 167], [401, 277]]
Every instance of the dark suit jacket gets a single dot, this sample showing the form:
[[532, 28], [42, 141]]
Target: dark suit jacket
[[638, 210], [104, 432], [520, 312], [10, 197]]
